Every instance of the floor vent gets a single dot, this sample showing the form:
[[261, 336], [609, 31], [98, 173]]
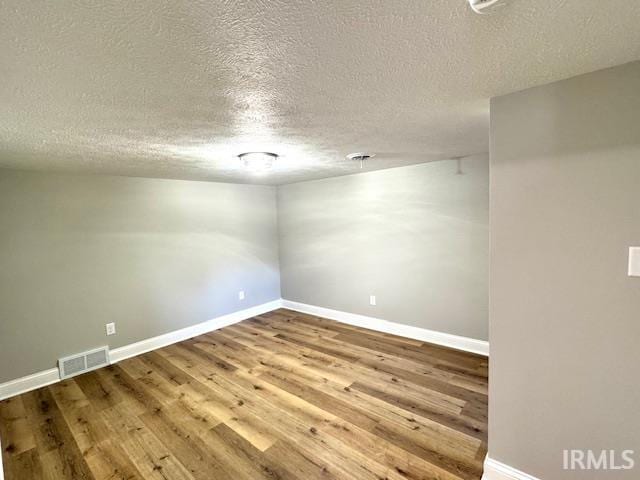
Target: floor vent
[[83, 362]]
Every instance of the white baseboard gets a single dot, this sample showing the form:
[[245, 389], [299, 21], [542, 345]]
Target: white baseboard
[[494, 470], [48, 377], [144, 346], [454, 341], [28, 383]]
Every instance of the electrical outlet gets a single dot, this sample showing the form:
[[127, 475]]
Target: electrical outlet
[[372, 300], [241, 295], [111, 328]]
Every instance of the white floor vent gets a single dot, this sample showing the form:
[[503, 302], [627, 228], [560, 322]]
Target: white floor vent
[[83, 362]]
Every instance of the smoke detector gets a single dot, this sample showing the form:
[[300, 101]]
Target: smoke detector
[[486, 6], [360, 157]]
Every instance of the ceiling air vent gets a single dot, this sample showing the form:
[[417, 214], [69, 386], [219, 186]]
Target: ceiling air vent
[[83, 362]]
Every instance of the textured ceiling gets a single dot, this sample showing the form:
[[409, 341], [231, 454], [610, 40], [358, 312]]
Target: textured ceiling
[[176, 88]]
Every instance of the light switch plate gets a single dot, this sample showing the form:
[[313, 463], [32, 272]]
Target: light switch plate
[[372, 300], [241, 295], [111, 328], [634, 261]]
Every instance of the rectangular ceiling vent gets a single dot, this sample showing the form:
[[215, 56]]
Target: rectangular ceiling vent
[[83, 362]]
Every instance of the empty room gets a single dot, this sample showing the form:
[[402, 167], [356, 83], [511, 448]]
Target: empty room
[[307, 240]]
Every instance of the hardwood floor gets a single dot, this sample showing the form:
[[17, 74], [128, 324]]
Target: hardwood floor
[[281, 396]]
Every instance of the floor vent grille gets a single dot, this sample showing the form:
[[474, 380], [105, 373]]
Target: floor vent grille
[[83, 362]]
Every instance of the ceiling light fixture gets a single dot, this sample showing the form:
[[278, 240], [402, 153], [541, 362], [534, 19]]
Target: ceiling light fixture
[[258, 161], [486, 6], [360, 157]]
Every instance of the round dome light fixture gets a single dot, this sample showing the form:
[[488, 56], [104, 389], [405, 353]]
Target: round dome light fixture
[[360, 157], [258, 161]]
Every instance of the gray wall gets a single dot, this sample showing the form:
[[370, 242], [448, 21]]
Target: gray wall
[[564, 317], [416, 237], [77, 252]]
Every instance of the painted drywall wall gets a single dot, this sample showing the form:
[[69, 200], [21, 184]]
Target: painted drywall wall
[[416, 237], [77, 252], [564, 316]]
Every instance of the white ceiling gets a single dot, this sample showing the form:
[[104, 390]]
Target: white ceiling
[[176, 88]]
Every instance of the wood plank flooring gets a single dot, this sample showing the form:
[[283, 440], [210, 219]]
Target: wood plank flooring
[[280, 396]]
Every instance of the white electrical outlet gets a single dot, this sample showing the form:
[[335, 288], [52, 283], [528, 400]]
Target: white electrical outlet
[[372, 300], [241, 295], [111, 328]]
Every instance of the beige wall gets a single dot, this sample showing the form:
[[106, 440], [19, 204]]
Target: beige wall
[[77, 252], [416, 237], [564, 316]]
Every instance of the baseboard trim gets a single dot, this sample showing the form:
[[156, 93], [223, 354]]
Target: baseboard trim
[[494, 470], [51, 376], [28, 383], [472, 345], [144, 346]]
